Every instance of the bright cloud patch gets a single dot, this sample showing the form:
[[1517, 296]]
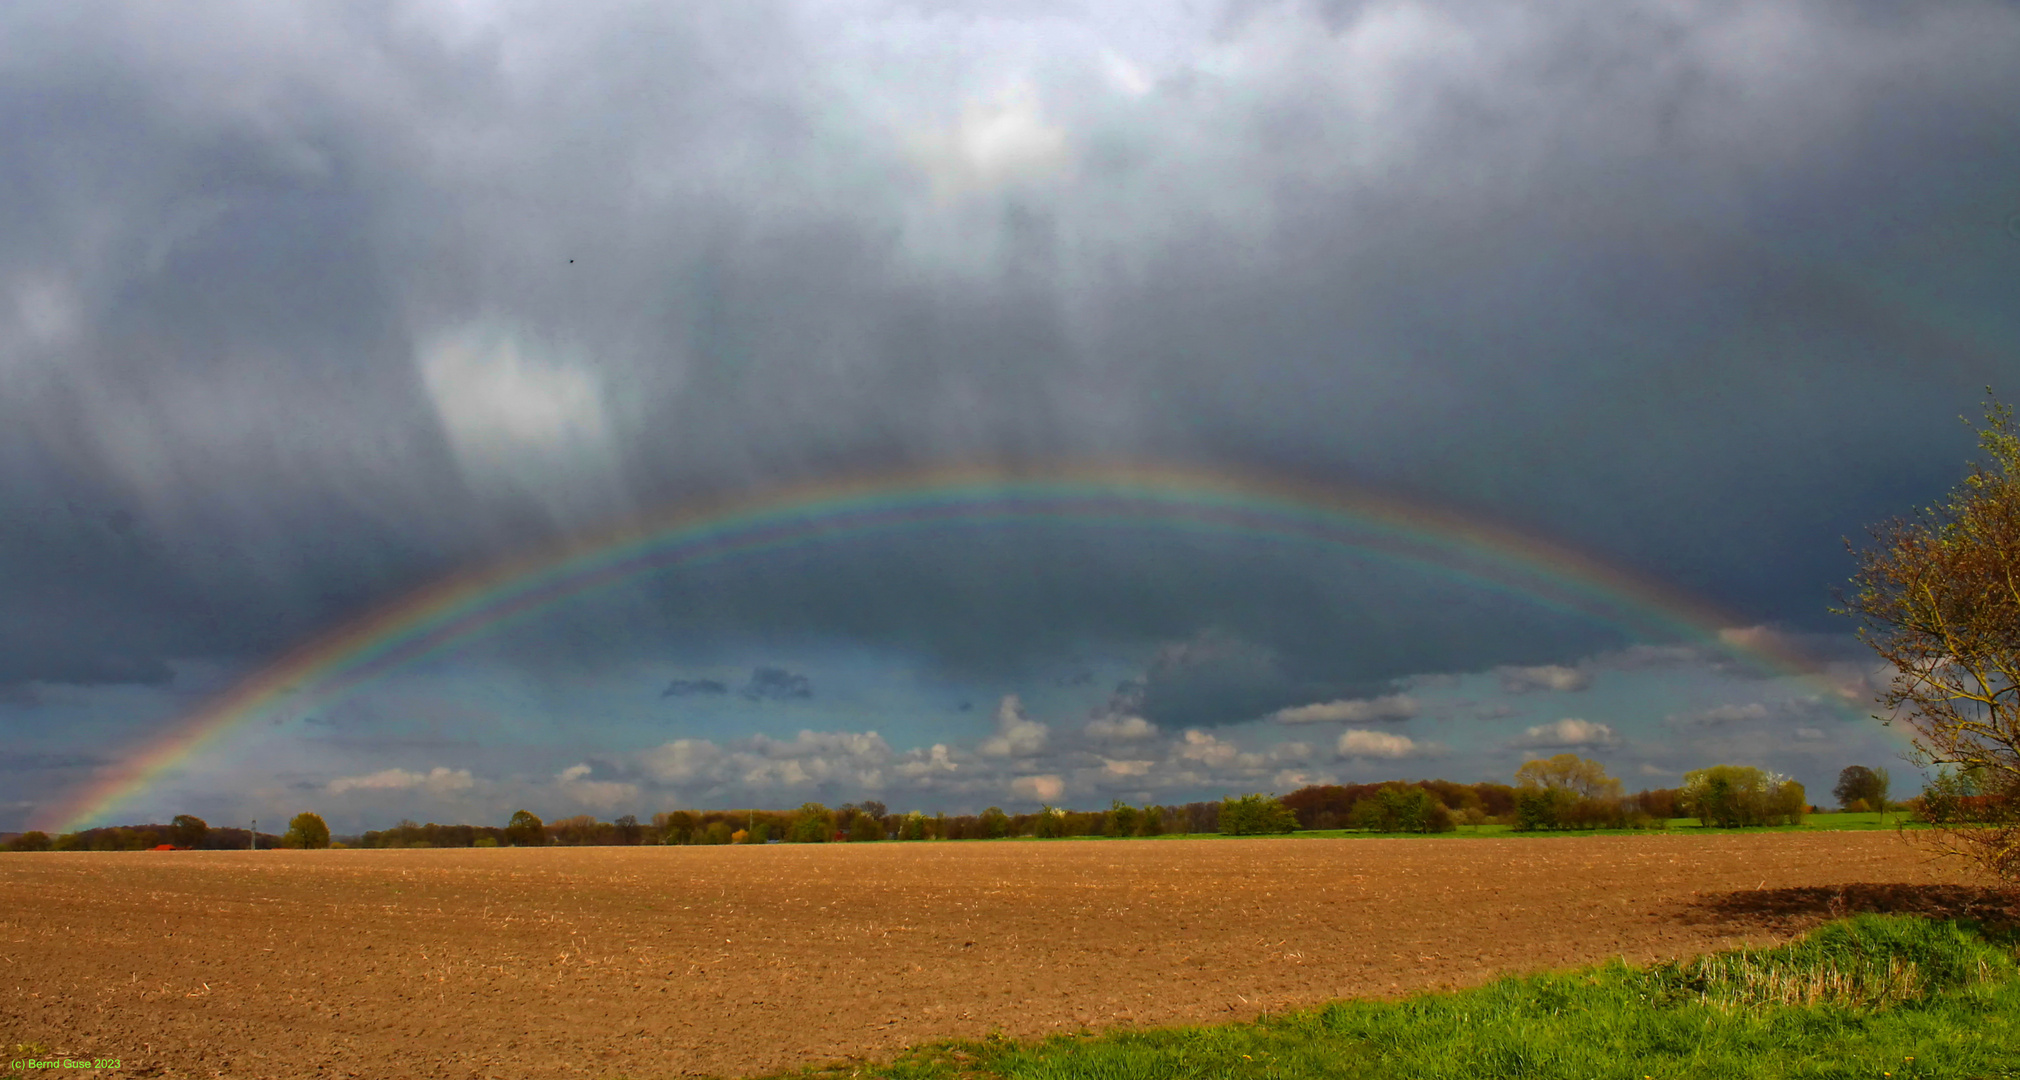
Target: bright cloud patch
[[1361, 743], [1356, 711], [1569, 732], [1016, 735], [438, 780], [1041, 788], [1120, 728]]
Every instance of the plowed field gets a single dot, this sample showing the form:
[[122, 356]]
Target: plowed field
[[648, 962]]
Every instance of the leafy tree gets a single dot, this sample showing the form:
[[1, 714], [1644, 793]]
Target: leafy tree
[[526, 830], [307, 831], [677, 827], [867, 825], [995, 823], [914, 827], [32, 840], [1253, 815], [190, 830], [628, 829], [1051, 822], [1937, 596], [1121, 818], [1858, 784], [1582, 777], [1396, 807], [812, 824], [1731, 796]]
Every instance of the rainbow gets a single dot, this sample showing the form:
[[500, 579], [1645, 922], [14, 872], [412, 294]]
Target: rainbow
[[453, 611]]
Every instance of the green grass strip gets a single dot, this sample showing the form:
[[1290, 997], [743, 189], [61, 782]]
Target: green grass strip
[[1874, 997]]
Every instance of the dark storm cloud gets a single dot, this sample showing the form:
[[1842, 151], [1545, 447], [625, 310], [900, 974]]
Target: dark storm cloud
[[776, 684], [288, 327], [690, 687]]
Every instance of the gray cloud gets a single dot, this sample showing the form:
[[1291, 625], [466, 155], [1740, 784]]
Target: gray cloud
[[288, 326], [776, 684], [690, 687]]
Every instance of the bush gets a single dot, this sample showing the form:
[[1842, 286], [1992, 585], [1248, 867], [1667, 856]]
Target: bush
[[485, 841], [1255, 815]]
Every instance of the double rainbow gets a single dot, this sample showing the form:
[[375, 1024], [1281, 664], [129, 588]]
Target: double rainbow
[[1268, 509]]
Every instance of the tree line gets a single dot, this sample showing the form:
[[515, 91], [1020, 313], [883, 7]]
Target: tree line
[[1565, 792]]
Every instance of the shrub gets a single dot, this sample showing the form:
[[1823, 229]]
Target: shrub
[[485, 841], [1397, 807], [995, 823], [1254, 815]]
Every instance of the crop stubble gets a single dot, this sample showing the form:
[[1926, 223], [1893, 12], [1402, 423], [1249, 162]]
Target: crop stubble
[[729, 960]]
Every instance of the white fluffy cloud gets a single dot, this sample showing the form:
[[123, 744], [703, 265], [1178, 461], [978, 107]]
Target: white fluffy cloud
[[1043, 788], [1361, 743], [438, 780], [576, 784], [1569, 732], [1017, 735], [1352, 711], [1120, 728]]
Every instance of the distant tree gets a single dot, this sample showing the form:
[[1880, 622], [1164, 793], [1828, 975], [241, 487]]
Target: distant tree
[[1736, 796], [868, 824], [1121, 818], [995, 823], [190, 830], [1396, 807], [71, 841], [812, 824], [307, 831], [1582, 777], [526, 830], [32, 840], [1858, 784], [875, 809], [1938, 598], [677, 827], [628, 829], [913, 827], [1252, 815]]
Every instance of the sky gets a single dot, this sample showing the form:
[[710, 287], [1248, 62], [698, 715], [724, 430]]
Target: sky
[[305, 310]]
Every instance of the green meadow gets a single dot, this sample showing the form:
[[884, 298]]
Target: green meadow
[[1880, 997]]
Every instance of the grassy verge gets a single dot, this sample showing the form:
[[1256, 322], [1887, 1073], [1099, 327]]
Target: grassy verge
[[1885, 997]]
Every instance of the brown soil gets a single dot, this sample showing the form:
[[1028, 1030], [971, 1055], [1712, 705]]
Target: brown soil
[[648, 962]]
